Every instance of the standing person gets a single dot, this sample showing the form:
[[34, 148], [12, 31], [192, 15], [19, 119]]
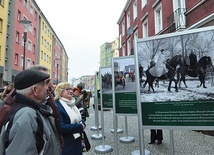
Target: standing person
[[50, 102], [78, 97], [156, 135], [30, 130], [140, 73], [71, 122], [160, 67], [79, 102], [193, 61], [84, 99], [5, 92]]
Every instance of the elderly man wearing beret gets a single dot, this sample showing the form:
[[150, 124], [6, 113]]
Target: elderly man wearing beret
[[30, 129], [50, 105]]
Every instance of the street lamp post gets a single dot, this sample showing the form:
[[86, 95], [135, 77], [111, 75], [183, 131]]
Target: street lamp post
[[26, 24], [57, 78], [57, 60]]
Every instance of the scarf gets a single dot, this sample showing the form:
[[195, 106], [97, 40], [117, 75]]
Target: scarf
[[71, 109]]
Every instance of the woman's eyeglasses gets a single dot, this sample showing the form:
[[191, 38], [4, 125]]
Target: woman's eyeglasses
[[69, 89]]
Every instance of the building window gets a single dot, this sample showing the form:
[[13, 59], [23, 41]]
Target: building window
[[129, 47], [145, 29], [29, 45], [45, 43], [30, 28], [31, 9], [158, 19], [35, 15], [45, 57], [17, 37], [34, 32], [179, 13], [34, 48], [135, 10], [26, 3], [41, 54], [46, 29], [128, 20], [16, 59], [123, 50], [22, 61], [28, 63], [2, 2], [123, 28], [1, 25], [19, 15], [42, 40], [143, 2], [22, 40]]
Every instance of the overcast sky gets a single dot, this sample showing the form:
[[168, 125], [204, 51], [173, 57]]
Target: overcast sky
[[83, 26]]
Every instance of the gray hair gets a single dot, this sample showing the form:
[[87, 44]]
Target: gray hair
[[39, 68], [25, 91]]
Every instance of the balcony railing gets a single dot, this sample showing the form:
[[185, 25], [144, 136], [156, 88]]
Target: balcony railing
[[177, 20]]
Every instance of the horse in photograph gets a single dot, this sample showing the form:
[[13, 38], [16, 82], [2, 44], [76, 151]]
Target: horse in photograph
[[119, 79], [106, 81], [171, 65], [198, 70]]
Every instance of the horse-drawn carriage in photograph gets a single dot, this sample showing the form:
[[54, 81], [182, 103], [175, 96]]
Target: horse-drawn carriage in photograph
[[119, 79]]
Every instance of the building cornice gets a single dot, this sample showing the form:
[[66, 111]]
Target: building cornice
[[203, 21], [144, 17], [195, 7], [123, 12]]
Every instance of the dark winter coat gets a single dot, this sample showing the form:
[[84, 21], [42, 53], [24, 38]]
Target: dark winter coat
[[72, 146]]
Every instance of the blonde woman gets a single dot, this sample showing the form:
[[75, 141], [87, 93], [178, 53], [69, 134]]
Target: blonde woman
[[71, 123]]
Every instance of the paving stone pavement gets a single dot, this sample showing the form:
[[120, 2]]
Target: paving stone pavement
[[185, 142]]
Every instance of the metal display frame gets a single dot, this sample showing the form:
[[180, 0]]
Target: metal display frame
[[139, 47], [103, 148], [96, 127]]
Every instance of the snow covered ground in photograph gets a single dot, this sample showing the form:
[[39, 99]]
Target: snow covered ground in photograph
[[191, 93]]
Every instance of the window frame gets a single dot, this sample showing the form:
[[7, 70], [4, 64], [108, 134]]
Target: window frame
[[1, 25], [17, 36], [158, 19], [135, 10], [145, 28]]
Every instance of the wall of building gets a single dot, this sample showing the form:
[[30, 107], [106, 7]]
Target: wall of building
[[175, 17], [3, 36], [12, 36]]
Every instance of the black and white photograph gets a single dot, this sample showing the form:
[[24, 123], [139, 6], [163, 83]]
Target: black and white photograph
[[177, 67]]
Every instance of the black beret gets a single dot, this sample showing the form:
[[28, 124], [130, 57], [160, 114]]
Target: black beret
[[29, 77]]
